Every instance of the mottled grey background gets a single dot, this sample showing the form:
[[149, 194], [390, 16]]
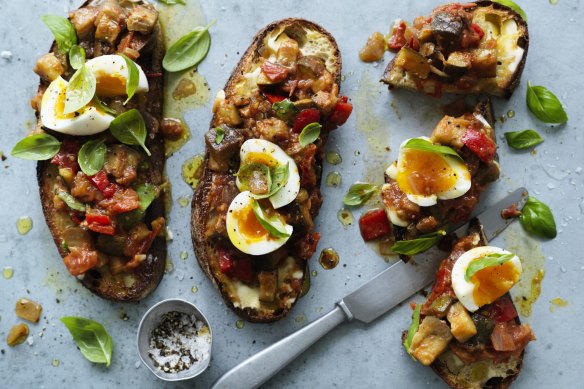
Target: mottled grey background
[[355, 355]]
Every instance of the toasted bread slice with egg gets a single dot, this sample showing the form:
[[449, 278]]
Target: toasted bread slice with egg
[[466, 48], [263, 288]]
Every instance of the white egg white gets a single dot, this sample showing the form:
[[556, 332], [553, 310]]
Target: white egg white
[[115, 65], [389, 210], [87, 121], [460, 187], [464, 289], [288, 192], [250, 245]]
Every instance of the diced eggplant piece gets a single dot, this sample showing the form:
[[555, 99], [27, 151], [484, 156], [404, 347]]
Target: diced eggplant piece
[[449, 132], [142, 19], [325, 101], [274, 130], [83, 20], [110, 21], [220, 153], [122, 162], [426, 34], [447, 29], [49, 67], [484, 63], [225, 111], [413, 62], [111, 244], [430, 340], [457, 64], [268, 285], [310, 67], [461, 325]]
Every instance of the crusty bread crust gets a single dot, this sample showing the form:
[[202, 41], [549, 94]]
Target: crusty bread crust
[[200, 207]]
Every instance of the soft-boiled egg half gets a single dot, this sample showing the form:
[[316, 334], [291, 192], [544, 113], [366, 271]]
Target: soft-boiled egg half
[[87, 121], [488, 284], [111, 75], [267, 153], [426, 176], [245, 231]]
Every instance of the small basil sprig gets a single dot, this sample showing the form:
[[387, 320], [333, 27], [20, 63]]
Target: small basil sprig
[[91, 338], [545, 105], [147, 193], [37, 147], [189, 50], [133, 78], [514, 7], [80, 90], [359, 193], [129, 128], [523, 139], [419, 245], [309, 134], [413, 327], [275, 178], [76, 56], [62, 30], [424, 145], [71, 201], [537, 218], [219, 135], [285, 109], [91, 156], [273, 225], [489, 260]]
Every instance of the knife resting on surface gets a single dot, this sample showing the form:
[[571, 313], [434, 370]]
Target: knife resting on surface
[[382, 293]]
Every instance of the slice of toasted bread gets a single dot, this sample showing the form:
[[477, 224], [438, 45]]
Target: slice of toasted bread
[[242, 297], [510, 54], [101, 280]]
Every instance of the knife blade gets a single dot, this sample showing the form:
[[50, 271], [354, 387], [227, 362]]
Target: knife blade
[[376, 297]]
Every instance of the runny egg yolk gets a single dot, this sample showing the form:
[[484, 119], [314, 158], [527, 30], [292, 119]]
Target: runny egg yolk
[[424, 173], [493, 282], [249, 226], [109, 85], [60, 106], [263, 158]]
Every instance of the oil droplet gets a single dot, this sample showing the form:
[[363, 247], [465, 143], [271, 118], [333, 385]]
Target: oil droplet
[[24, 225], [510, 114], [185, 88], [194, 289], [300, 318], [557, 303], [314, 273], [357, 153], [525, 302], [184, 201], [184, 255], [333, 158], [333, 179], [8, 272], [239, 324], [191, 170], [56, 362], [329, 258], [345, 217], [169, 266], [305, 285], [554, 2]]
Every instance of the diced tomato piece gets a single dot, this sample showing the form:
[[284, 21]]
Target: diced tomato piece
[[274, 71], [101, 229], [67, 155], [306, 245], [374, 224], [272, 98], [343, 99], [80, 259], [110, 190], [225, 261], [504, 309], [341, 113], [398, 37], [242, 269], [304, 118], [414, 43], [99, 223], [123, 200], [478, 30], [480, 144], [308, 177], [100, 180], [97, 218]]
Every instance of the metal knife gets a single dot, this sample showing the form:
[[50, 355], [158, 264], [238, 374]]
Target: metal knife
[[392, 286]]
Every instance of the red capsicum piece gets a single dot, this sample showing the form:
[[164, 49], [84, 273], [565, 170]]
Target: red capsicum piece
[[304, 118], [67, 156], [243, 270], [225, 261], [272, 98], [342, 111], [480, 144], [374, 224], [504, 309], [398, 37], [102, 183], [99, 223]]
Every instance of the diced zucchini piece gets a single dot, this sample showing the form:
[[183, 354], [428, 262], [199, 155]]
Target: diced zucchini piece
[[411, 61]]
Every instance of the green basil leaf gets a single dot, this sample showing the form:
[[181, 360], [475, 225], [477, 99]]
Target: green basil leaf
[[91, 338], [523, 139], [62, 30], [147, 193], [280, 175], [537, 218], [37, 147], [133, 78], [489, 260], [419, 245], [172, 2], [309, 134], [189, 50], [102, 107], [80, 90], [514, 7], [413, 327], [129, 128], [285, 109], [424, 145], [91, 156], [359, 193], [219, 135], [253, 175], [545, 105], [71, 201], [76, 56], [273, 225]]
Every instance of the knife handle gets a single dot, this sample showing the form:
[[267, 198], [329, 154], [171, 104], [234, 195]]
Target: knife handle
[[257, 369]]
